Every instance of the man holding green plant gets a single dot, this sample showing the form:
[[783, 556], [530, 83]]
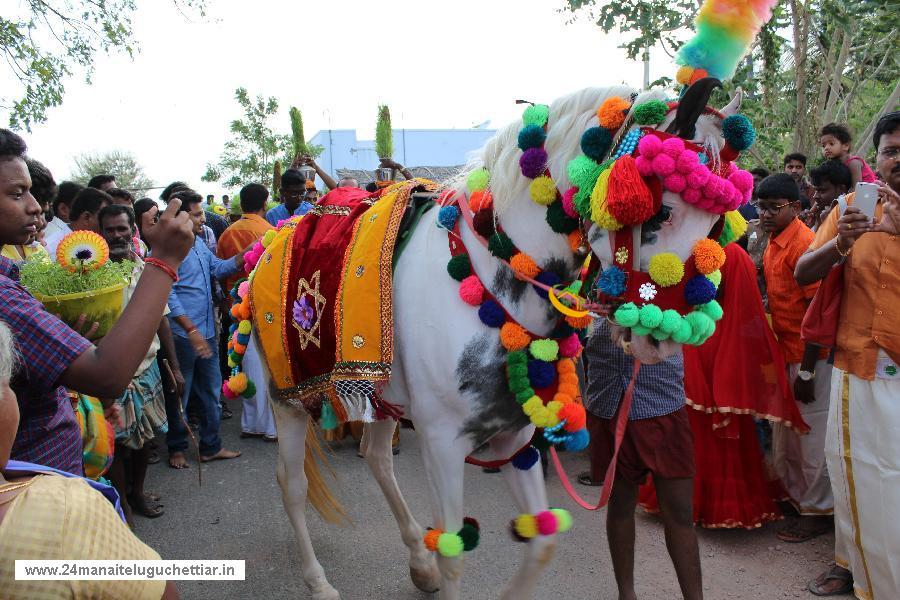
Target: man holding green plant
[[54, 355]]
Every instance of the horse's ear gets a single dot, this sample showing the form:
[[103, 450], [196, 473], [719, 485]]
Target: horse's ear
[[692, 105], [735, 105]]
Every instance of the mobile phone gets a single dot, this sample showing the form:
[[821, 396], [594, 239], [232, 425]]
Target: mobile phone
[[865, 198]]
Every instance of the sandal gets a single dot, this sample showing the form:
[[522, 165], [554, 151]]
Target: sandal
[[801, 532], [139, 505], [585, 479], [835, 573]]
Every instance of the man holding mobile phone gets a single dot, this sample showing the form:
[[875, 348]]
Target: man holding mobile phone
[[862, 445]]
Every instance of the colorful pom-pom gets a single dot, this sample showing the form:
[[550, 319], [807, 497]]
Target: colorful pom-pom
[[568, 202], [531, 136], [514, 337], [627, 315], [431, 539], [670, 321], [447, 217], [450, 545], [532, 405], [245, 327], [516, 357], [683, 333], [469, 535], [536, 114], [612, 281], [570, 347], [459, 267], [650, 316], [483, 222], [501, 246], [563, 519], [226, 391], [558, 220], [595, 143], [478, 180], [574, 416], [738, 131], [546, 350], [715, 277], [709, 256], [524, 265], [628, 198], [546, 522], [243, 288], [543, 190], [491, 314], [666, 269], [526, 526], [526, 459], [471, 290], [480, 200], [583, 173], [650, 112], [712, 309], [268, 238], [533, 162], [699, 290], [250, 391], [541, 374], [683, 75], [611, 113], [578, 441], [548, 278]]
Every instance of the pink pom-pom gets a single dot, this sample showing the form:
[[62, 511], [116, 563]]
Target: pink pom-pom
[[243, 288], [675, 182], [706, 203], [649, 146], [546, 522], [742, 180], [471, 291], [673, 147], [713, 187], [280, 223], [726, 192], [691, 195], [698, 177], [663, 165], [687, 162], [644, 166], [570, 347], [248, 268], [234, 337], [736, 200], [226, 391], [568, 202]]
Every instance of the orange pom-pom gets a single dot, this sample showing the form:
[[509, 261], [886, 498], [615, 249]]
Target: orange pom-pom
[[574, 416], [245, 311], [570, 389], [524, 265], [698, 74], [565, 366], [431, 539], [480, 199], [240, 348], [514, 337], [611, 113], [236, 311], [563, 398], [683, 75], [579, 322], [575, 240], [709, 256]]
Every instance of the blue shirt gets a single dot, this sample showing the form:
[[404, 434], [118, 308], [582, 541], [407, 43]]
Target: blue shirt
[[280, 213], [658, 391], [192, 294]]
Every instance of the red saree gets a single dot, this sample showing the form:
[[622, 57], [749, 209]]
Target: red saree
[[738, 374]]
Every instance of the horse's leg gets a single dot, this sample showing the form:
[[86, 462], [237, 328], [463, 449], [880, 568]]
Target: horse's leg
[[422, 567], [528, 492], [291, 426]]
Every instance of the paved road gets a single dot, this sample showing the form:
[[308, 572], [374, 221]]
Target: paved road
[[237, 514]]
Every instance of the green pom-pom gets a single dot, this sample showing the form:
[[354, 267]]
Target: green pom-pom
[[699, 326], [501, 246], [250, 391], [670, 321], [546, 350], [640, 330], [450, 545], [525, 395], [683, 333], [517, 371], [558, 220], [519, 384], [245, 327], [531, 136], [235, 357], [595, 142], [627, 315], [536, 114], [563, 519], [659, 335], [712, 309], [469, 536], [650, 112], [478, 179], [715, 277], [517, 358], [651, 316], [459, 267], [583, 173]]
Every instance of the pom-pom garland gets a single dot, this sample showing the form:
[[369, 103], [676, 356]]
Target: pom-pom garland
[[459, 267], [533, 162], [526, 459], [699, 290], [531, 136], [478, 180], [536, 114], [708, 255], [447, 217], [650, 112], [612, 112], [547, 522], [596, 142], [666, 269], [451, 545]]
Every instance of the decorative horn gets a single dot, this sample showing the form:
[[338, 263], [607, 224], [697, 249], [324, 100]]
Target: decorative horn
[[735, 105], [692, 105]]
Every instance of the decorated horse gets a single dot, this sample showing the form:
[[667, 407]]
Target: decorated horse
[[465, 313]]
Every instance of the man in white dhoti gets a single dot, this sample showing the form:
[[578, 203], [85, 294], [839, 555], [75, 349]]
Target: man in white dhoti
[[863, 438], [257, 419]]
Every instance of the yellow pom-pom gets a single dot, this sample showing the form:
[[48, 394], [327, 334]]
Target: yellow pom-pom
[[449, 545], [554, 406], [611, 113], [543, 190], [550, 420], [268, 237], [666, 269], [238, 383], [709, 256], [683, 75], [231, 363], [244, 327], [526, 526], [563, 519], [532, 405], [715, 277], [737, 222]]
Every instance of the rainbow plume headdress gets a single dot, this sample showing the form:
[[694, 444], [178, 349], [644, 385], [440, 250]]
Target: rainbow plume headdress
[[725, 30]]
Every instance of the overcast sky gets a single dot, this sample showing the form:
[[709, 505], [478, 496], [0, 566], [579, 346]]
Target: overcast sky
[[436, 64]]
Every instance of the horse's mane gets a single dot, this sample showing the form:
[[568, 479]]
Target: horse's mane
[[569, 117]]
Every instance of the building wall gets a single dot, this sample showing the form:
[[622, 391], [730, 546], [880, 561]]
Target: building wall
[[412, 148]]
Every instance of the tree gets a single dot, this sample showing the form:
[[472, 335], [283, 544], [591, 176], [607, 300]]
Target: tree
[[51, 40], [123, 165], [249, 157]]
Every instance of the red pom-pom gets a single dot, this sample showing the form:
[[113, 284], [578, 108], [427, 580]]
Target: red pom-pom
[[698, 74], [628, 198], [483, 221], [574, 415], [471, 291], [480, 200], [472, 521]]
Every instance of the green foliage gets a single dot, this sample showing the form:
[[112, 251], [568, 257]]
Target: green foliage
[[384, 135], [48, 278], [44, 42], [298, 139], [123, 165], [249, 157], [276, 180]]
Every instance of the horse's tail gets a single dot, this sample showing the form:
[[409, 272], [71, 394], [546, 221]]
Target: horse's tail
[[318, 492]]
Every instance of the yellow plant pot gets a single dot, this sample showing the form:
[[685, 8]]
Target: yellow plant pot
[[102, 306]]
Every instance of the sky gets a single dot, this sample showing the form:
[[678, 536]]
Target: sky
[[436, 64]]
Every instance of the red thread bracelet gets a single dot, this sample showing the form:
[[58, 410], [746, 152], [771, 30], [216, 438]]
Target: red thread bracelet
[[165, 267]]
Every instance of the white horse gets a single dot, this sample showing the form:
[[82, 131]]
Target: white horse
[[449, 368]]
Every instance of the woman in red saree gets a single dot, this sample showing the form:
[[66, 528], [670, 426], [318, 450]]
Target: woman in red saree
[[738, 374]]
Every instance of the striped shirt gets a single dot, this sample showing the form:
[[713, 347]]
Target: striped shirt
[[658, 391]]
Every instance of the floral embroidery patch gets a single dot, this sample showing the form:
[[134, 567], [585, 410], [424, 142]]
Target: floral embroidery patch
[[647, 292], [307, 311], [622, 255]]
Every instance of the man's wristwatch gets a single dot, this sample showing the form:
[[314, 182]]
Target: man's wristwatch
[[806, 375]]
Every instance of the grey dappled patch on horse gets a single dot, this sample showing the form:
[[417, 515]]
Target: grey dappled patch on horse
[[481, 373], [506, 286]]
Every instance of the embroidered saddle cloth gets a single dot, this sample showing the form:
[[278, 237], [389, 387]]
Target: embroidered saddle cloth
[[321, 302]]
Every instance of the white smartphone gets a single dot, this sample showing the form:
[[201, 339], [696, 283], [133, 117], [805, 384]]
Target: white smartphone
[[865, 198]]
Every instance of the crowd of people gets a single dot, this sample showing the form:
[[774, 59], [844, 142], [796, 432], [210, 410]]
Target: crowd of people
[[800, 429]]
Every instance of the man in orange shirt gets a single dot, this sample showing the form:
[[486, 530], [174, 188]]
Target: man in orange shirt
[[257, 419], [798, 460]]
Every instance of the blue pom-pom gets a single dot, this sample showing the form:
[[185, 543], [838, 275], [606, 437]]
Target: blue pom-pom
[[578, 441], [243, 339], [541, 374], [491, 314], [232, 328], [699, 290], [548, 278], [703, 158], [612, 281], [595, 143], [447, 217], [526, 459], [738, 131], [531, 136]]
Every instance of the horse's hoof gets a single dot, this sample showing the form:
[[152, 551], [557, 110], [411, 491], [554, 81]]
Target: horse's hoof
[[325, 592], [427, 579]]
